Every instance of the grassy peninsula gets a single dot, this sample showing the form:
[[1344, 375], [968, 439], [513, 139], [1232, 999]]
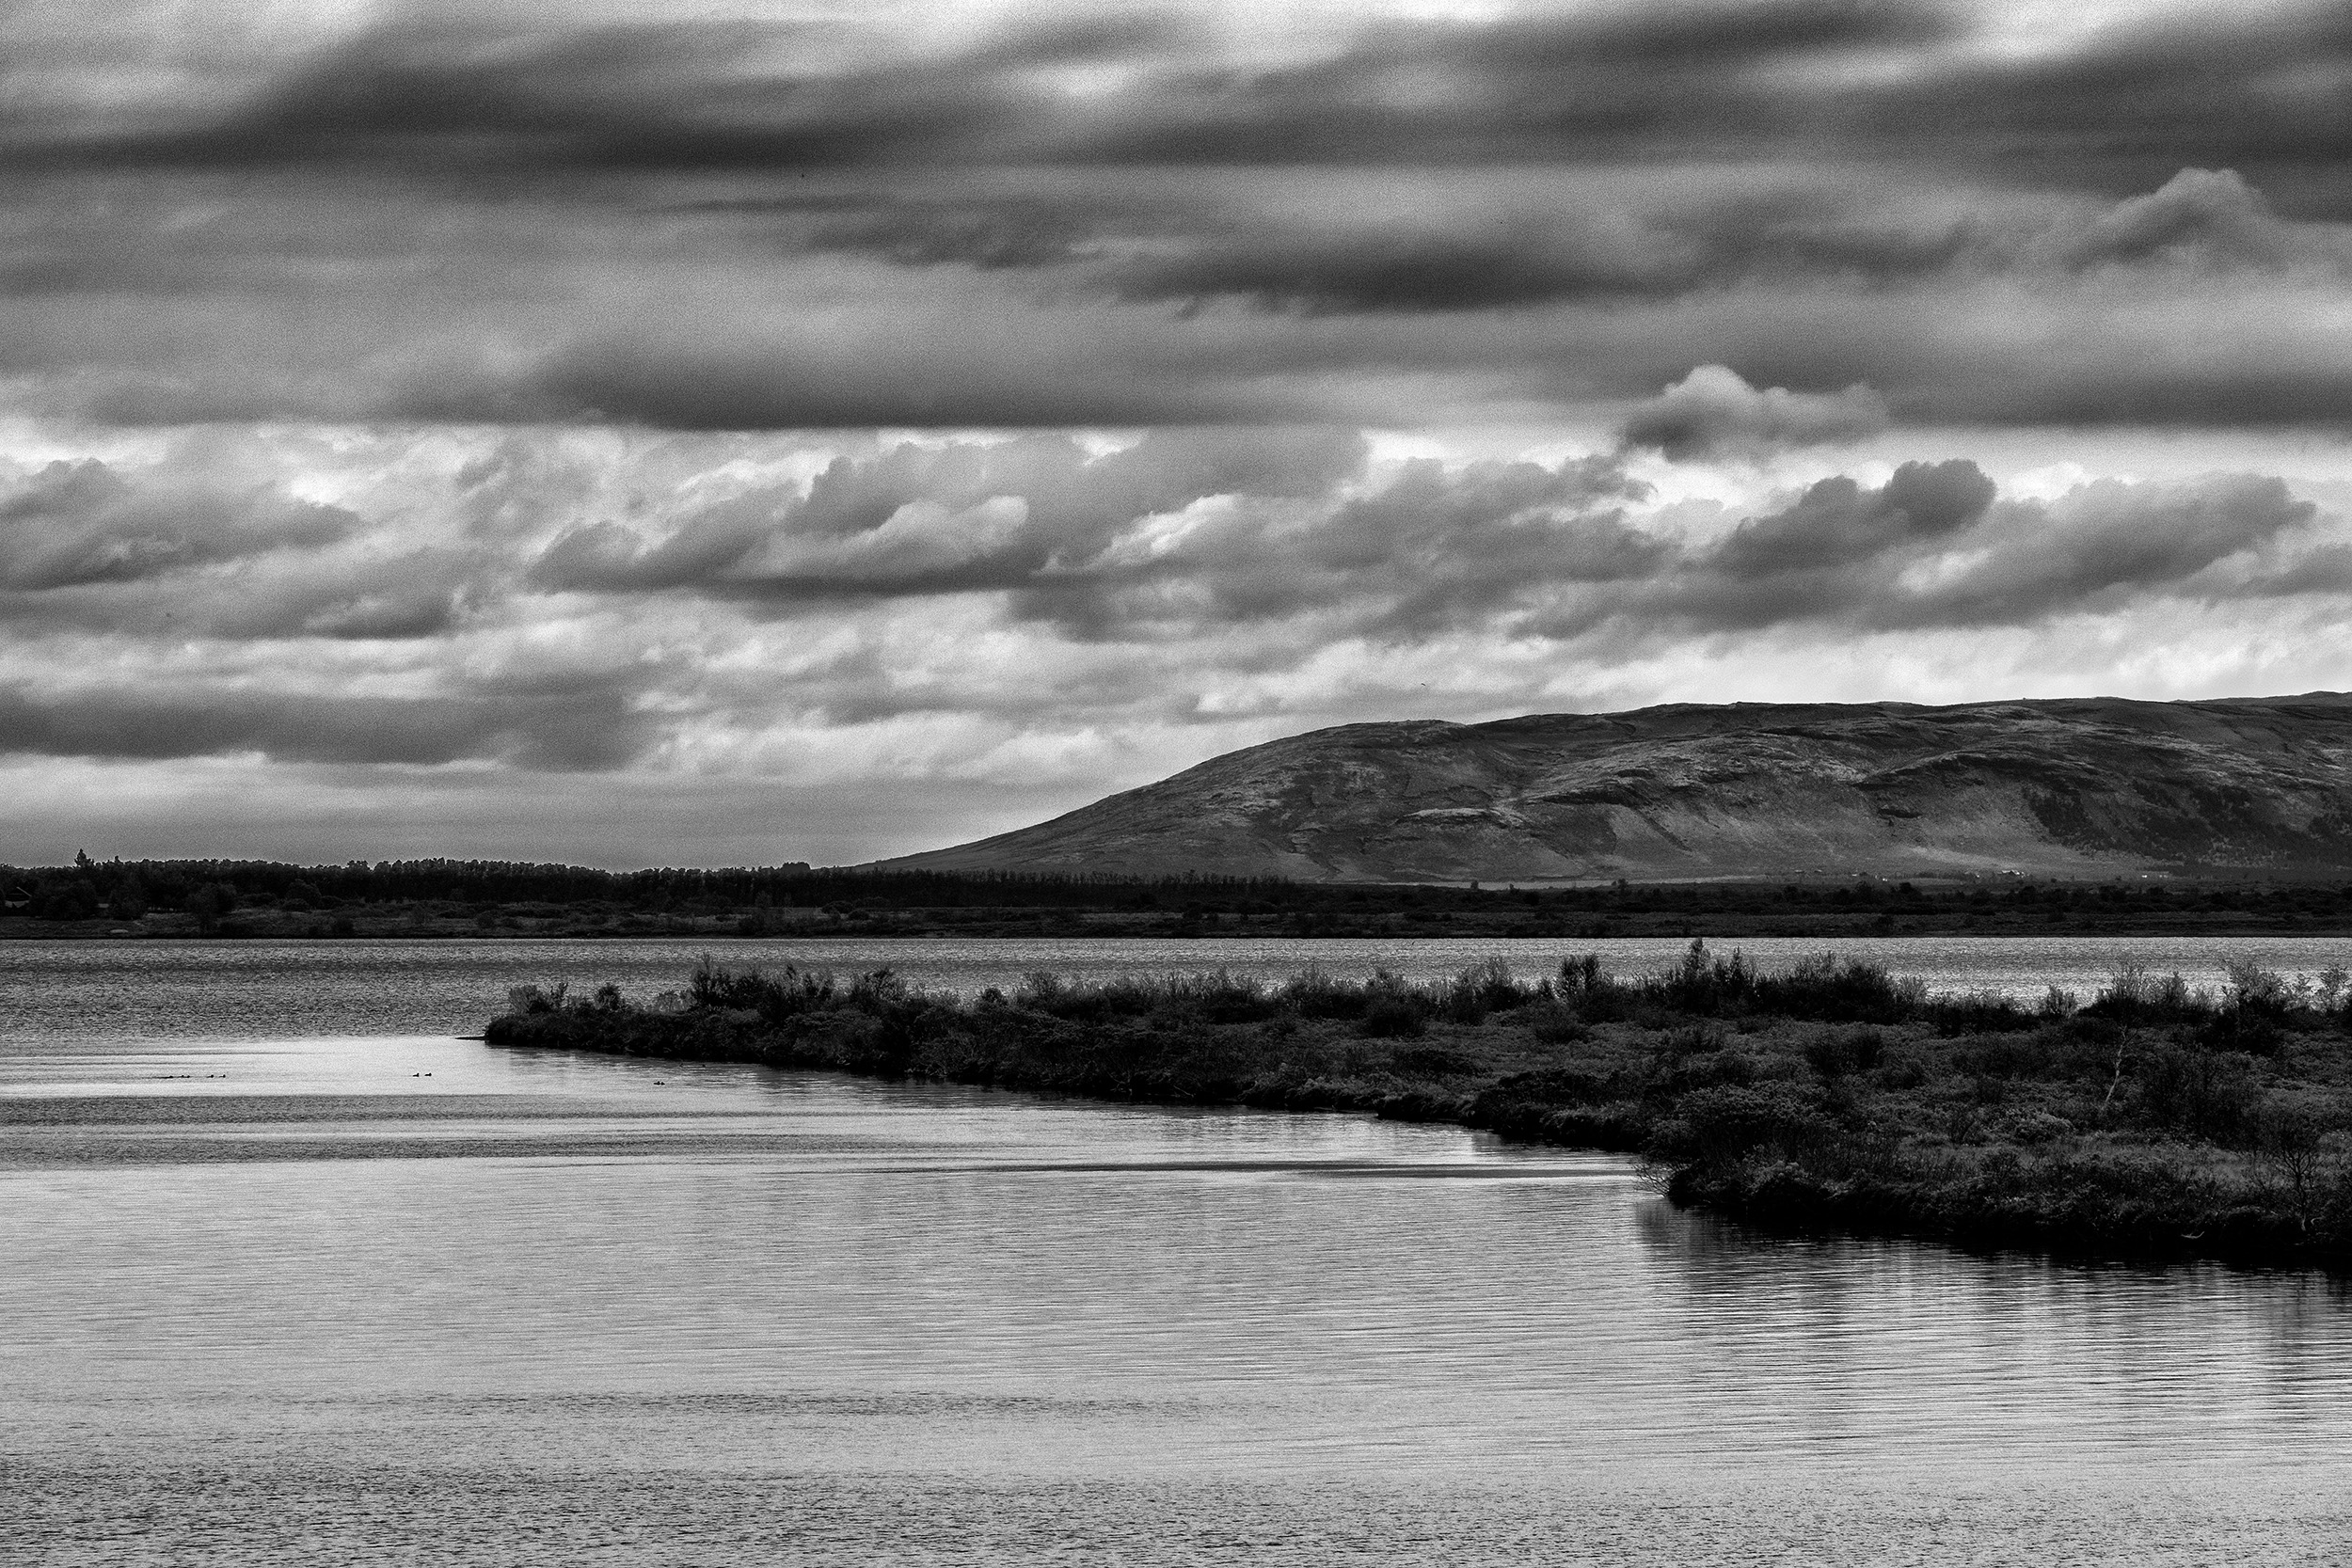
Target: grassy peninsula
[[2153, 1120]]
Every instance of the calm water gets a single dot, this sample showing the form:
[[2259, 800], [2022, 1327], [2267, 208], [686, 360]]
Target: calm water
[[287, 1276], [132, 990]]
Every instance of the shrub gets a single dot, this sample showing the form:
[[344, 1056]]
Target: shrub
[[2198, 1092], [2034, 1056], [1555, 1023], [2135, 995], [1462, 1005], [1225, 998], [1702, 984], [787, 994], [2237, 1029], [1976, 1012], [1433, 1061], [1853, 991], [1221, 997], [1836, 1054], [1588, 991], [1392, 1017], [533, 999], [209, 902], [2256, 990], [1903, 1072], [1041, 991], [1725, 1123], [1313, 993], [876, 991], [74, 900]]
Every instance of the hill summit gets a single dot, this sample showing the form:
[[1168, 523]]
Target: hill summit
[[2068, 787]]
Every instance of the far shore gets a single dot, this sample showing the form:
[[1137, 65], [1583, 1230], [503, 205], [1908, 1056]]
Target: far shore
[[2150, 1120], [118, 900], [455, 920]]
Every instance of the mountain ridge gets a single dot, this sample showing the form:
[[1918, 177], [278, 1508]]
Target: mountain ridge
[[2071, 786]]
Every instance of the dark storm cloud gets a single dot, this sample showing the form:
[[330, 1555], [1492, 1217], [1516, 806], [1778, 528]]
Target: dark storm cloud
[[1491, 264], [1448, 549], [714, 606], [1429, 553], [2214, 86], [1684, 78], [1712, 409], [1498, 238], [396, 598], [729, 95], [750, 228], [591, 727], [961, 517], [1838, 524], [929, 367], [188, 546], [1179, 538], [1010, 233], [1185, 529], [1612, 304], [1933, 547], [2220, 396], [1696, 241], [2205, 216], [2112, 538], [83, 523], [1680, 77]]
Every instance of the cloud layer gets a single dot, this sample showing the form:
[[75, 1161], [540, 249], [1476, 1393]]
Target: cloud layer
[[706, 221], [1030, 610], [980, 404]]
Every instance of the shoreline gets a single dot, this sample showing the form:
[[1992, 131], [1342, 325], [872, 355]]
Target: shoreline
[[2153, 1122], [170, 928]]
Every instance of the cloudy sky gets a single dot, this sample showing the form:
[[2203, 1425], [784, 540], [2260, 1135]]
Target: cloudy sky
[[714, 432]]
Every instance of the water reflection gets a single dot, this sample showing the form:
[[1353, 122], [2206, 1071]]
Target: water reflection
[[2020, 1359]]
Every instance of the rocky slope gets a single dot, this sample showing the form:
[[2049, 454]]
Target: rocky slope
[[2072, 787]]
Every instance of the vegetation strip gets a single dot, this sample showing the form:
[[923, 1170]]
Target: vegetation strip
[[2157, 1120], [92, 898]]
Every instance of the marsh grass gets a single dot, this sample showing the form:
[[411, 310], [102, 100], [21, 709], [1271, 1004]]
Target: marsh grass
[[2158, 1117]]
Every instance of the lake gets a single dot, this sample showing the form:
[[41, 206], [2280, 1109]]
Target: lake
[[291, 1277], [137, 989]]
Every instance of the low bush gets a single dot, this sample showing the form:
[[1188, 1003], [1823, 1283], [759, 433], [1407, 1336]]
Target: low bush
[[1433, 1061], [2156, 1119], [1837, 1053], [1552, 1023], [775, 998], [1393, 1018], [1982, 1012], [2198, 1092]]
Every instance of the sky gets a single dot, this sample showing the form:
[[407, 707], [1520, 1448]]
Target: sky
[[700, 432]]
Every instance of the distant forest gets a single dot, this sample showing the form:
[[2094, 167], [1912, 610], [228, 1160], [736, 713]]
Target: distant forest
[[494, 897]]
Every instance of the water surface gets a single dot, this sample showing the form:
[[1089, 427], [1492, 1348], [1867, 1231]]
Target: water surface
[[282, 1294], [52, 992]]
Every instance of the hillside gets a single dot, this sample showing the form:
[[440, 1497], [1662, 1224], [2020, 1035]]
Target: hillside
[[2069, 787]]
